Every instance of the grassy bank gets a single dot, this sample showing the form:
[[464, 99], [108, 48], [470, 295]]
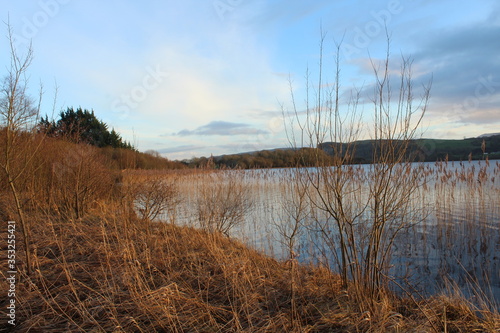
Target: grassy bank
[[112, 272]]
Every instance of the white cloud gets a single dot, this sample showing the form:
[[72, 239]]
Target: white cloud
[[222, 128]]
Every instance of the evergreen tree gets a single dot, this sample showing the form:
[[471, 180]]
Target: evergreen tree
[[82, 126]]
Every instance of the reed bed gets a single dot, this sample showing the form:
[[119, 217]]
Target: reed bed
[[454, 235], [106, 273], [115, 270]]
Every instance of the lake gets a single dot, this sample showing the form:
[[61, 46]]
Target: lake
[[453, 240]]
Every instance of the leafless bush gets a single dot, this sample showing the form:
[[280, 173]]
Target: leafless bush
[[223, 202], [360, 212], [79, 178], [153, 197], [295, 208], [18, 113]]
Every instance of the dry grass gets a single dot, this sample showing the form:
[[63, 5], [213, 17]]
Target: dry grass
[[104, 273]]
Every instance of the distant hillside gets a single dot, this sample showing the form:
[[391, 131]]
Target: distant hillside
[[488, 135], [431, 150], [428, 150], [275, 158]]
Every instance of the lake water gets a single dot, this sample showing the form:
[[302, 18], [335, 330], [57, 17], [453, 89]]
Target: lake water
[[457, 237]]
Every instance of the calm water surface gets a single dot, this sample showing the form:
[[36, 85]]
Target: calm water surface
[[457, 239]]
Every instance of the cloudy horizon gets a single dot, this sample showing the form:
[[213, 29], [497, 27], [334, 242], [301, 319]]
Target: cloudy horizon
[[197, 78]]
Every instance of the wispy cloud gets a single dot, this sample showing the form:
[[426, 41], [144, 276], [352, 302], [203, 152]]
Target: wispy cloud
[[222, 128], [179, 149]]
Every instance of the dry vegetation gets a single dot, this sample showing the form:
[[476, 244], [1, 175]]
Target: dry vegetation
[[99, 263], [112, 271]]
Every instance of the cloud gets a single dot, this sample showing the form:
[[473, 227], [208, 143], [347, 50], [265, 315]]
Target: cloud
[[461, 60], [222, 128], [479, 117], [464, 67], [180, 149]]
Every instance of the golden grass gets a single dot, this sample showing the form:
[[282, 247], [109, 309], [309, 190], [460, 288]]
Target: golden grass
[[106, 273]]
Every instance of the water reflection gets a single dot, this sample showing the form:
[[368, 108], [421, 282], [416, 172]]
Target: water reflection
[[457, 236]]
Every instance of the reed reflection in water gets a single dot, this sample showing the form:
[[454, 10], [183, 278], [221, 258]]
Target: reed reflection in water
[[455, 237]]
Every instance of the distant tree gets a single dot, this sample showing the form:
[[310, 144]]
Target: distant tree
[[82, 126]]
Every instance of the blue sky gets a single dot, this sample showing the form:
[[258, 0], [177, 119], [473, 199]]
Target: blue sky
[[194, 78]]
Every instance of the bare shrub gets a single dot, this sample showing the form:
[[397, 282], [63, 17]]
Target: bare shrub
[[153, 197], [79, 178], [295, 208], [18, 112], [223, 201], [360, 212]]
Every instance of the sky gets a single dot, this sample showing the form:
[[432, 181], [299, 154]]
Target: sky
[[194, 78]]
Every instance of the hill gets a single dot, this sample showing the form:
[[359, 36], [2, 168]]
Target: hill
[[487, 135], [456, 150], [428, 150], [431, 150]]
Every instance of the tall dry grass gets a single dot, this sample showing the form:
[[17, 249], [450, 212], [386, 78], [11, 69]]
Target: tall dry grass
[[115, 269], [451, 235], [106, 272]]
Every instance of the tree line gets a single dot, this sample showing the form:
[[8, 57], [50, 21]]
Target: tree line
[[277, 158], [361, 152], [81, 126]]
